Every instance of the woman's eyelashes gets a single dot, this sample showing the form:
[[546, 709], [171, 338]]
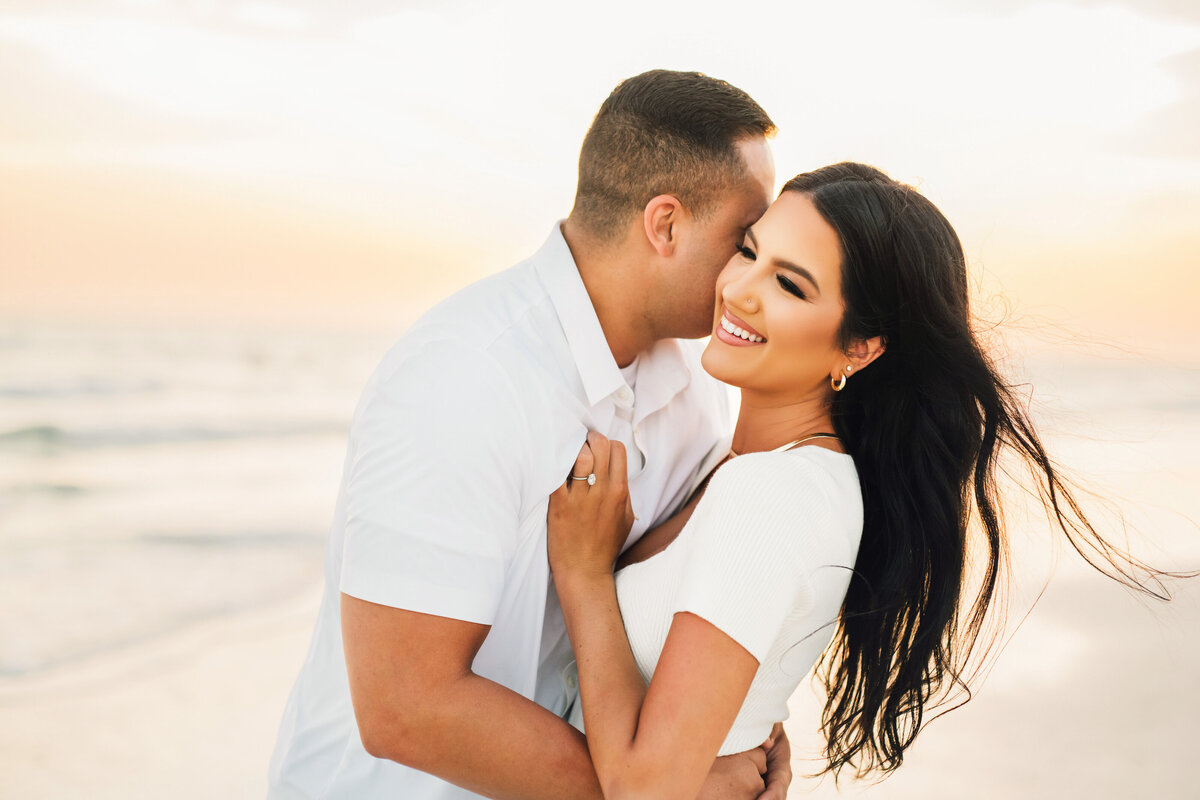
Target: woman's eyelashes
[[789, 287]]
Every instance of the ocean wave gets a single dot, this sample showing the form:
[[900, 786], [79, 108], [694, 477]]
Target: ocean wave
[[85, 387], [56, 490], [55, 438], [132, 592], [287, 538]]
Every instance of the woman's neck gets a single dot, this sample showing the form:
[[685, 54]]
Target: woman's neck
[[765, 424]]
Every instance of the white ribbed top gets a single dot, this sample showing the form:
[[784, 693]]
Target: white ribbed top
[[766, 557]]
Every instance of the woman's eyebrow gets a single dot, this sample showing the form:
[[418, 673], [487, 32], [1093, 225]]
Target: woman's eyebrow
[[799, 270], [788, 265]]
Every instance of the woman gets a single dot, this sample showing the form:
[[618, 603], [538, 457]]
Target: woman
[[871, 428]]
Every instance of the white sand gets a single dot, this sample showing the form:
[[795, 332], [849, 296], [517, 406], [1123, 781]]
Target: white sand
[[190, 717], [1097, 696]]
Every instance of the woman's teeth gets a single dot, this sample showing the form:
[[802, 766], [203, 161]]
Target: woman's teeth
[[736, 331]]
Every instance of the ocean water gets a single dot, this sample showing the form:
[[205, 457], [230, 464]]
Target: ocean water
[[152, 478], [155, 477]]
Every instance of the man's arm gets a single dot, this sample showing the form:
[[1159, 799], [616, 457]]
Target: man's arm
[[420, 539], [418, 702]]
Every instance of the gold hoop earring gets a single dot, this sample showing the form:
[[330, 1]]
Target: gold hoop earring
[[838, 385]]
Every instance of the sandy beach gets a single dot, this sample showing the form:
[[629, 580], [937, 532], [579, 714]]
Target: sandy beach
[[188, 717], [1096, 697]]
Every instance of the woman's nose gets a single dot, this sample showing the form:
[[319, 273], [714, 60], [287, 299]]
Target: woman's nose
[[741, 292]]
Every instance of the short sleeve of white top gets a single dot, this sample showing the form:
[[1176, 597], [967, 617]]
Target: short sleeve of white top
[[766, 557], [419, 534]]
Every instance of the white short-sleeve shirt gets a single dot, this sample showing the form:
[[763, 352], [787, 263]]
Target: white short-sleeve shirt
[[469, 423], [766, 557]]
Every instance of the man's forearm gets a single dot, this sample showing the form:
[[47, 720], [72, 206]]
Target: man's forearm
[[486, 738]]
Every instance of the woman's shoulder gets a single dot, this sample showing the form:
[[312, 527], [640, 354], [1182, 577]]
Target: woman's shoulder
[[805, 469], [768, 494]]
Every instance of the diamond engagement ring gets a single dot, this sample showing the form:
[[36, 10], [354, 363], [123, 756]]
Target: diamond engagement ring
[[590, 478]]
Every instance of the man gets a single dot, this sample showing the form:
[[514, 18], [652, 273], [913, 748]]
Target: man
[[454, 647]]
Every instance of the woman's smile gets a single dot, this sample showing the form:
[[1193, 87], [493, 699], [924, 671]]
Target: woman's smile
[[734, 330]]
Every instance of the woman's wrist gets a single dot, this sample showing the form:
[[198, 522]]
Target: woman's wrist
[[582, 580]]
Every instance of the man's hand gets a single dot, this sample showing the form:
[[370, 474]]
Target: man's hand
[[778, 774], [764, 773], [736, 777]]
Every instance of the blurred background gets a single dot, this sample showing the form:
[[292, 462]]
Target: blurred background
[[216, 216]]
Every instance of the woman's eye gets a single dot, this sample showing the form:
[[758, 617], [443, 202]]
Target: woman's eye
[[790, 287], [746, 252]]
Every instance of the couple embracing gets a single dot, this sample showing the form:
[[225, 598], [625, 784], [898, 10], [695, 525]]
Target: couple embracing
[[546, 525]]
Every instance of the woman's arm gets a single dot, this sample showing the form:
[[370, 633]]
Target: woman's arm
[[656, 742]]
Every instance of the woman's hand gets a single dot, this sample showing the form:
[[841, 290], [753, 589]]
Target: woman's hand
[[587, 523]]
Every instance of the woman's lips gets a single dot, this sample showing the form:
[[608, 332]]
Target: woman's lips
[[732, 329]]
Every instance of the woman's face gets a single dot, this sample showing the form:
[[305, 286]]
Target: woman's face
[[783, 290]]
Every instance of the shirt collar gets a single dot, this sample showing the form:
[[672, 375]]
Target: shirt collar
[[556, 268], [668, 365], [665, 363]]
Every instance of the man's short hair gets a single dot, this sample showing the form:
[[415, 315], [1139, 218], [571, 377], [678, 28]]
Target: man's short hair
[[663, 132]]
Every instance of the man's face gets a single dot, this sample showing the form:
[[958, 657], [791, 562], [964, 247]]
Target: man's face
[[714, 239]]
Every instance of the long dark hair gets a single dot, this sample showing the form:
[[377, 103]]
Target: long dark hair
[[928, 425]]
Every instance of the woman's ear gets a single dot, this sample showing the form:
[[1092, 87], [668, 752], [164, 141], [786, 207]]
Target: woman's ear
[[863, 351], [660, 218]]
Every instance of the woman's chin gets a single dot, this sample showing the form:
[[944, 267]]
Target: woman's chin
[[716, 364]]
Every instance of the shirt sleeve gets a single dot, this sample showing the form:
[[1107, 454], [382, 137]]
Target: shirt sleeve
[[752, 544], [433, 489]]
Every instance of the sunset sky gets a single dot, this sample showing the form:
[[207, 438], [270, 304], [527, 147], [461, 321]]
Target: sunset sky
[[356, 161]]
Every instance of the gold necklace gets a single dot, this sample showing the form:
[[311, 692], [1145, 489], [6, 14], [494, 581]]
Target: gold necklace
[[794, 443]]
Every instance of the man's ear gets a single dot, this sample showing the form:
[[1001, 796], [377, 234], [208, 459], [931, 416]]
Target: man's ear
[[661, 218]]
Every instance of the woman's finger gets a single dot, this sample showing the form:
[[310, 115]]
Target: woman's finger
[[584, 463], [600, 453], [617, 474]]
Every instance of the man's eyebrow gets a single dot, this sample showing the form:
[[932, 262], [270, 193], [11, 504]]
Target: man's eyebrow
[[789, 266]]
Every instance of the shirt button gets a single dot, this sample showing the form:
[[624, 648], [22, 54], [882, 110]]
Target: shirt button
[[624, 395]]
